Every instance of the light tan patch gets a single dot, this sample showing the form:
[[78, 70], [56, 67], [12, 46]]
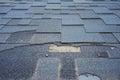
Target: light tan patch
[[55, 48]]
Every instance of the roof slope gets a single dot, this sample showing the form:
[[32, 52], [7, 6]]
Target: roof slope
[[28, 29]]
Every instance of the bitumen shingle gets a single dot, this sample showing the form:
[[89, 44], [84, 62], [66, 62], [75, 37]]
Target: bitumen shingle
[[28, 29]]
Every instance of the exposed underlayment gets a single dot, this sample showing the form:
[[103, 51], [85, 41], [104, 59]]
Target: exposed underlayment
[[59, 49], [59, 39]]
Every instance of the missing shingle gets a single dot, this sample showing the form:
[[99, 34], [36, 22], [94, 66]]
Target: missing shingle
[[55, 48]]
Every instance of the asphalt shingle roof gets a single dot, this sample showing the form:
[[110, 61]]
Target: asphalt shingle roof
[[28, 29]]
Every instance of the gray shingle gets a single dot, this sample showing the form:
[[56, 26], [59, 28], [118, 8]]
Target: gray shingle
[[49, 25], [24, 22], [53, 6], [1, 26], [68, 11], [35, 22], [52, 16], [20, 37], [4, 9], [1, 15], [68, 8], [117, 12], [113, 6], [9, 46], [35, 10], [117, 35], [4, 21], [110, 19], [21, 6], [97, 25], [45, 38], [71, 20], [109, 38], [53, 1], [17, 14], [37, 16], [77, 34], [12, 29], [70, 4], [79, 1], [39, 4], [13, 22], [87, 14], [4, 37], [100, 10], [114, 54]]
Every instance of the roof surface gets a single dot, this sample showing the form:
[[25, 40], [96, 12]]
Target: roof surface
[[59, 39]]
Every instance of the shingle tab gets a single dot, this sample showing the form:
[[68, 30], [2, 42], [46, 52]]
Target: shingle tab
[[37, 16], [114, 54], [1, 26], [109, 38], [20, 37], [53, 1], [12, 29], [97, 25], [77, 34], [110, 19], [53, 6], [39, 4], [100, 10], [4, 37], [4, 21], [21, 6], [35, 22], [68, 11], [24, 22], [71, 20], [45, 38], [4, 9], [13, 22], [116, 12], [17, 14], [117, 35], [87, 14], [9, 46], [49, 25], [35, 10]]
